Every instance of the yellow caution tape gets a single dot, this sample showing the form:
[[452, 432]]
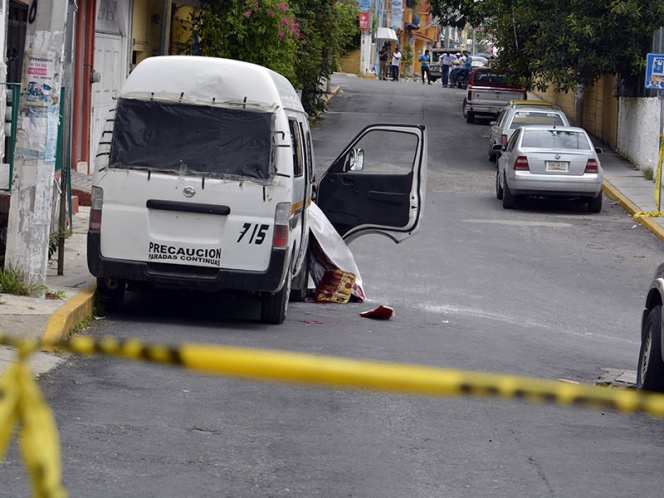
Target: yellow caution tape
[[651, 214], [22, 403], [336, 372], [22, 406], [658, 173]]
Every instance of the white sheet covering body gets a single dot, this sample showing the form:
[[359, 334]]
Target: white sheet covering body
[[335, 250]]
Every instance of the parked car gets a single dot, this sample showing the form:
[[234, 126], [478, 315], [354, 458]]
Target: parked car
[[650, 370], [549, 161], [488, 92], [522, 113]]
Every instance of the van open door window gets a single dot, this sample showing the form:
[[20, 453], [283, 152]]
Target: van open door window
[[377, 184]]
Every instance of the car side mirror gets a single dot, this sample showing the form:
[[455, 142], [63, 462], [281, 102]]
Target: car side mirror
[[356, 160], [498, 147], [599, 150]]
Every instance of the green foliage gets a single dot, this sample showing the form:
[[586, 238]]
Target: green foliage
[[54, 241], [562, 42], [300, 39], [13, 281], [408, 55], [264, 32]]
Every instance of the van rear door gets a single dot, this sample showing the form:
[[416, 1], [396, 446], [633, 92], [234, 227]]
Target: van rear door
[[378, 183]]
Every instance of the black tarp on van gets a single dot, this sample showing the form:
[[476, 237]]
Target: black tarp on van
[[205, 140]]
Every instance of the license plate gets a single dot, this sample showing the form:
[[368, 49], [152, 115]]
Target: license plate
[[557, 165]]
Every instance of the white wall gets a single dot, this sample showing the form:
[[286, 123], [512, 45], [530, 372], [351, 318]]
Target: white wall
[[639, 130]]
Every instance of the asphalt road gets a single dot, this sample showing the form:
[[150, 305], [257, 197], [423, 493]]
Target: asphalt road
[[546, 290]]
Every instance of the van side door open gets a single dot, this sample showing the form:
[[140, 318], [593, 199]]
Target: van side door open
[[378, 183]]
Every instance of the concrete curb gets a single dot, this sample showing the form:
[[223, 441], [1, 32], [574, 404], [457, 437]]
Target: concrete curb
[[613, 193], [76, 310]]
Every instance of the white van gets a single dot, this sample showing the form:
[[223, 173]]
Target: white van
[[204, 175]]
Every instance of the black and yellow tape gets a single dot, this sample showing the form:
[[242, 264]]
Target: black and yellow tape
[[281, 366], [22, 404]]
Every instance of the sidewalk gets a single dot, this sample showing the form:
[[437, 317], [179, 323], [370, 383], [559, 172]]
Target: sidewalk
[[54, 319]]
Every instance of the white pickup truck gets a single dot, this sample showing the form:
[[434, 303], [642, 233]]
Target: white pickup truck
[[488, 92]]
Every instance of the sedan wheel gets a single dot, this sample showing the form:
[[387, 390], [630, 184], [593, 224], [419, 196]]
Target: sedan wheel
[[499, 188], [595, 205], [650, 373], [509, 200]]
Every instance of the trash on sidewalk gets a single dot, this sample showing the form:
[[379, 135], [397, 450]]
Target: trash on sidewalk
[[331, 263], [380, 313]]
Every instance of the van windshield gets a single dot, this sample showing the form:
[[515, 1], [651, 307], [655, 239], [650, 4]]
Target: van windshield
[[204, 140]]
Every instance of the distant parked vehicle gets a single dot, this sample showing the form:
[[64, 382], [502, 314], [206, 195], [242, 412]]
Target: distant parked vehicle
[[488, 92], [522, 113], [550, 161], [650, 370]]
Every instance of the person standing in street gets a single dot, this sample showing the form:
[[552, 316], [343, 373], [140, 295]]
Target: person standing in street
[[384, 57], [396, 62], [467, 64], [445, 61], [425, 58]]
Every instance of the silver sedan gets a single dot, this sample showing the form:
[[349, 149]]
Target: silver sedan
[[549, 161]]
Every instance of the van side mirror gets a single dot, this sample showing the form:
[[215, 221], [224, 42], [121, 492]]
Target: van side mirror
[[355, 160]]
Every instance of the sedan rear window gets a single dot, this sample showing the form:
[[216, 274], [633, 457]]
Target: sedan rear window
[[180, 138], [524, 118], [555, 139]]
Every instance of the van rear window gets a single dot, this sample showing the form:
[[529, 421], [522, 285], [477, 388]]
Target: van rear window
[[204, 140]]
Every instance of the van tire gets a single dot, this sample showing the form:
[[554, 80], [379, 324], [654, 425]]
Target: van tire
[[110, 298], [274, 306], [299, 287]]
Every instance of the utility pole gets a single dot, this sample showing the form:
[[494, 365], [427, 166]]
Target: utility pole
[[32, 198]]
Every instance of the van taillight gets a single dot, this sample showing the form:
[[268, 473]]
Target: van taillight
[[503, 140], [281, 218], [592, 166], [95, 209], [521, 163]]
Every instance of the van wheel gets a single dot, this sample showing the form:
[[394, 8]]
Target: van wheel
[[300, 282], [274, 306], [110, 294]]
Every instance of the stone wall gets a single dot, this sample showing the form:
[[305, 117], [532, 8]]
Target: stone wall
[[638, 131]]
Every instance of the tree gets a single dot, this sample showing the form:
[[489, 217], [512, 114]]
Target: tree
[[299, 39], [565, 43]]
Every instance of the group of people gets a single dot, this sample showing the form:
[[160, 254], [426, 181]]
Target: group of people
[[454, 65], [388, 70], [451, 65]]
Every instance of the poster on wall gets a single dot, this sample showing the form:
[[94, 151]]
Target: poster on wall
[[397, 14], [39, 76], [364, 20]]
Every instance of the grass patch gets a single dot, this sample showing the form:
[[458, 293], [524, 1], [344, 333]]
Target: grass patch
[[13, 281], [648, 173], [80, 326]]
